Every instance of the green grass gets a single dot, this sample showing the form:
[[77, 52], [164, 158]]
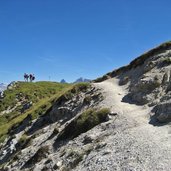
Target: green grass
[[43, 95], [86, 121], [30, 92]]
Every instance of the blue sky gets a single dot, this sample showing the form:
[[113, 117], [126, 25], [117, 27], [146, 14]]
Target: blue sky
[[57, 39]]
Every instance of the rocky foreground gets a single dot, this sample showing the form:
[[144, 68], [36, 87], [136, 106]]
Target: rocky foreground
[[120, 122]]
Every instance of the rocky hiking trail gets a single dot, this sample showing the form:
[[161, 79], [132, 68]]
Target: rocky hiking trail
[[132, 143]]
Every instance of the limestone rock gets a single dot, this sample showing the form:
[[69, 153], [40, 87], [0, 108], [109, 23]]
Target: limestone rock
[[163, 112]]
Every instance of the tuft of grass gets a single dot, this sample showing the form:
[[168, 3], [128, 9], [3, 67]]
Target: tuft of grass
[[86, 121], [24, 141]]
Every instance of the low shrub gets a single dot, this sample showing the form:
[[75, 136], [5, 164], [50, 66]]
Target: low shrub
[[86, 121]]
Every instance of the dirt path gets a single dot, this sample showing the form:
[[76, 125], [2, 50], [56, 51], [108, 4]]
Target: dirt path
[[114, 94], [134, 143]]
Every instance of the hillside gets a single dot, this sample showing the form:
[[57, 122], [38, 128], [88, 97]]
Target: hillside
[[22, 99], [118, 122]]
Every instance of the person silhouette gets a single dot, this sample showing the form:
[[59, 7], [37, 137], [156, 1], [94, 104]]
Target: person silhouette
[[31, 77], [26, 76]]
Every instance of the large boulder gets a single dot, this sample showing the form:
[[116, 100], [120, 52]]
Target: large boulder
[[163, 112], [145, 90]]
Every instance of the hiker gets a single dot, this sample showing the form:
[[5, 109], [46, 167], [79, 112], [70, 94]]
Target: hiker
[[26, 76], [31, 77]]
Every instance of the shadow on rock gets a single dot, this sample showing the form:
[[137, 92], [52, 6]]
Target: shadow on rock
[[155, 122], [40, 123], [160, 118], [128, 99]]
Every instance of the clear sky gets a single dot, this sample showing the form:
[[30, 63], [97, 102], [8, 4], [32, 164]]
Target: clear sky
[[57, 39]]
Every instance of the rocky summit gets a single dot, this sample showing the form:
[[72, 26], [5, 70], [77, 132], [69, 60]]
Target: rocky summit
[[117, 122]]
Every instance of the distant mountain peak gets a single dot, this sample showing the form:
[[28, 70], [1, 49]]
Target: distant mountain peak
[[81, 79], [63, 81]]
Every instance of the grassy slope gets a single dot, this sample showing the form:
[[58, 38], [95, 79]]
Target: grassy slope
[[31, 91], [42, 94]]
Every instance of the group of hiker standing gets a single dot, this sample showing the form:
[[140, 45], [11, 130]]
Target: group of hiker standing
[[29, 77]]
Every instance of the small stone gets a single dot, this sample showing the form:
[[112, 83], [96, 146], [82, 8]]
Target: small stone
[[59, 164], [55, 167], [87, 140]]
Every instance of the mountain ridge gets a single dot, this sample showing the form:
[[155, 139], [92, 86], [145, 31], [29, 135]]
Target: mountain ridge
[[82, 80], [136, 62], [79, 80]]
